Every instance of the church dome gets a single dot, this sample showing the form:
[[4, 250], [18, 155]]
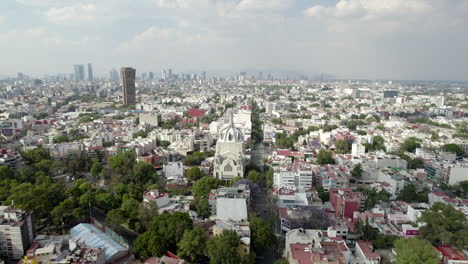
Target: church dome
[[229, 133]]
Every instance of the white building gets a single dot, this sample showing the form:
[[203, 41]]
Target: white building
[[358, 149], [231, 209], [173, 169], [299, 175], [16, 232], [229, 157], [161, 199], [457, 174]]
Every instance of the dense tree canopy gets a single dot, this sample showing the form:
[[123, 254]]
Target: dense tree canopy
[[415, 251], [254, 176], [194, 173], [164, 232], [453, 148], [325, 157], [223, 249], [410, 144], [193, 244], [341, 147], [269, 177], [444, 225], [261, 233], [357, 171], [203, 186], [410, 194]]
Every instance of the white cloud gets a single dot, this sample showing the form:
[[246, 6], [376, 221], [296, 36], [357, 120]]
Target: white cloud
[[149, 36], [40, 2], [263, 4], [174, 3], [371, 8], [73, 13]]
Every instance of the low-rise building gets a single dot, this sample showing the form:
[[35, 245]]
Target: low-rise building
[[307, 246], [365, 253], [346, 202]]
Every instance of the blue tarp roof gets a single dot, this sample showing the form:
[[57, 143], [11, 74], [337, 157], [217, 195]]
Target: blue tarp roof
[[95, 238]]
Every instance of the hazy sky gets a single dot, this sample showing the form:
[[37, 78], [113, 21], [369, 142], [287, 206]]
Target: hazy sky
[[388, 39]]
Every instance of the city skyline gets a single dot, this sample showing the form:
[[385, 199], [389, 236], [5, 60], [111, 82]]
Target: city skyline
[[351, 39]]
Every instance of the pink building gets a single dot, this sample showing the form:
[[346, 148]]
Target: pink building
[[346, 202]]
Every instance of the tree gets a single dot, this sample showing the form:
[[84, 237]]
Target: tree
[[325, 157], [261, 233], [324, 196], [444, 225], [269, 176], [373, 197], [35, 155], [366, 231], [361, 132], [379, 143], [41, 197], [122, 163], [409, 194], [415, 251], [203, 186], [115, 218], [384, 241], [150, 244], [193, 244], [171, 227], [410, 144], [254, 176], [195, 159], [202, 207], [416, 164], [146, 213], [357, 171], [453, 148], [96, 168], [464, 186], [143, 174], [194, 173], [277, 121], [253, 187], [105, 201], [341, 147], [222, 249], [6, 173]]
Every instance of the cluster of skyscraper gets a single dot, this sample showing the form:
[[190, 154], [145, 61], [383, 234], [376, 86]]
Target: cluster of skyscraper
[[79, 72]]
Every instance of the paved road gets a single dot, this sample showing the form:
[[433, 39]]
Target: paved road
[[262, 205]]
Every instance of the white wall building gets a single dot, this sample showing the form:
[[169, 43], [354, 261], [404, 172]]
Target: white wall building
[[358, 149], [229, 157], [457, 174], [16, 232]]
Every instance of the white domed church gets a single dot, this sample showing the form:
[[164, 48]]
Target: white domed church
[[229, 157]]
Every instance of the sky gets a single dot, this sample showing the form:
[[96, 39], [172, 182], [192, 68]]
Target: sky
[[355, 39]]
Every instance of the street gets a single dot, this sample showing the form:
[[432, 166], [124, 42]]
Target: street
[[262, 205]]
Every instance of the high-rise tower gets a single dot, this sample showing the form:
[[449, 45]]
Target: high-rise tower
[[90, 72], [128, 85], [79, 72]]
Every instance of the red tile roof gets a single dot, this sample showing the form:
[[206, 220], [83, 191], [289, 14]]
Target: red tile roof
[[451, 253], [366, 248], [196, 112]]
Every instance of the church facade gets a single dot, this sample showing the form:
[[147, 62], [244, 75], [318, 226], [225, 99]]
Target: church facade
[[229, 160]]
